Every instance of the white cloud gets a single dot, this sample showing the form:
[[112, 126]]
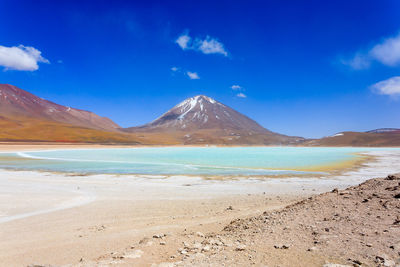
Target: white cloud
[[387, 52], [174, 69], [193, 75], [388, 87], [183, 41], [208, 45], [21, 57], [241, 95], [237, 87]]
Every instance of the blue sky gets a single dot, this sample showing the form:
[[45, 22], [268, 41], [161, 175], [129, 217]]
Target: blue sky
[[306, 68]]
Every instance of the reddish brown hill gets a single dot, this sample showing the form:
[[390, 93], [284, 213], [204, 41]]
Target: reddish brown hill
[[15, 102], [379, 137]]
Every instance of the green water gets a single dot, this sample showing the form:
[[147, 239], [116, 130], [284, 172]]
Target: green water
[[181, 160]]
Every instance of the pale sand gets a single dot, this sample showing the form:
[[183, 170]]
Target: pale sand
[[58, 219]]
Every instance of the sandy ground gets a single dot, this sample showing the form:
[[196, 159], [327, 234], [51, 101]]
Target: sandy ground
[[61, 219]]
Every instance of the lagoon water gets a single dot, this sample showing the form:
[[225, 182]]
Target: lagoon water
[[182, 160]]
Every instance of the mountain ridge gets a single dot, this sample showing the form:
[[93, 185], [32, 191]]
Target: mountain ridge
[[16, 102]]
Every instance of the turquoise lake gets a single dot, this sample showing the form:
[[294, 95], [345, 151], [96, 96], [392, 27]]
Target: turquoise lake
[[181, 160]]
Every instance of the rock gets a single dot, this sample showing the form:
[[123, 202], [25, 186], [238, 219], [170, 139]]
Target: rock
[[186, 245], [282, 246], [392, 177], [229, 208], [200, 234], [335, 190], [183, 251], [312, 249], [159, 235], [240, 247], [389, 263], [163, 243], [385, 261], [396, 247]]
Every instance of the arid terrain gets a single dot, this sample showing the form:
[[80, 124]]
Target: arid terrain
[[358, 226]]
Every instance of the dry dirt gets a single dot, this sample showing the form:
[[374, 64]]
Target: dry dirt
[[358, 226]]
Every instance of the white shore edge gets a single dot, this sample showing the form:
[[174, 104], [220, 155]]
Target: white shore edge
[[35, 193]]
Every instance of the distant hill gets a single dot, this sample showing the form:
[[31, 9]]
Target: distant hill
[[377, 138], [385, 130], [15, 102], [26, 117], [203, 120]]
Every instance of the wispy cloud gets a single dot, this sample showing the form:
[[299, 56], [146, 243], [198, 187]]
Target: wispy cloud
[[236, 87], [174, 69], [238, 90], [24, 58], [193, 75], [208, 45], [387, 52], [389, 87], [183, 41]]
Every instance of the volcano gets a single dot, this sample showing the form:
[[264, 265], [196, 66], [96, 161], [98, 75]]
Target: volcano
[[202, 119]]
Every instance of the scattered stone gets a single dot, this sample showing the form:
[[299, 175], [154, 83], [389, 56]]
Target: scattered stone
[[200, 234], [229, 208], [385, 261], [312, 249], [183, 251], [240, 247], [159, 235], [163, 243], [392, 177], [282, 246]]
